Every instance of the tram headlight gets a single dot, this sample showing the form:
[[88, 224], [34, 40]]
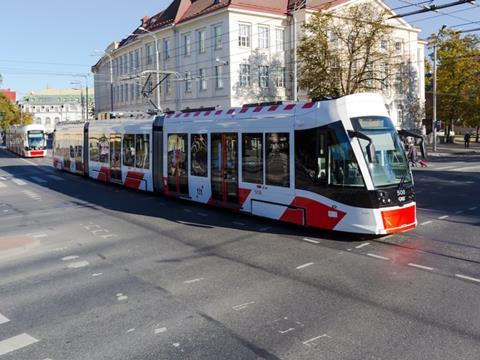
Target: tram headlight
[[383, 197]]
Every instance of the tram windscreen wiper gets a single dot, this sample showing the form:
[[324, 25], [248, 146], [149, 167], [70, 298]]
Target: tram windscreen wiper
[[370, 146]]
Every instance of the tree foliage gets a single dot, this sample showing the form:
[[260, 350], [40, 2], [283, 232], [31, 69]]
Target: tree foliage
[[9, 112], [346, 53], [458, 78]]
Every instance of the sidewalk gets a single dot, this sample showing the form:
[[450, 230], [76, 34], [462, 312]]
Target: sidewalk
[[455, 149]]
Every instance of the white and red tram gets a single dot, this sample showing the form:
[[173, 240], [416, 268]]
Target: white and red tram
[[26, 140], [334, 164]]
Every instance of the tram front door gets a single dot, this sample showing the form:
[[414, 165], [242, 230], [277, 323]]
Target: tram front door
[[115, 158], [225, 167]]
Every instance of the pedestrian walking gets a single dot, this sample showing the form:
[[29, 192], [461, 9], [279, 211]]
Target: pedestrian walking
[[412, 153], [467, 140]]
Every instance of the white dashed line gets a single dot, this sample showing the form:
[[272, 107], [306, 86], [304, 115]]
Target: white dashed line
[[473, 208], [121, 297], [378, 257], [203, 214], [426, 223], [304, 265], [160, 330], [362, 245], [311, 241], [38, 179], [467, 278], [68, 258], [420, 266], [3, 319], [443, 217], [3, 178], [38, 236], [193, 281], [315, 338], [242, 306], [78, 264], [15, 343], [97, 274], [19, 182]]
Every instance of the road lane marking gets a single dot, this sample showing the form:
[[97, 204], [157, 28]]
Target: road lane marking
[[467, 278], [3, 178], [203, 214], [121, 297], [473, 208], [38, 236], [78, 264], [193, 281], [15, 343], [311, 241], [362, 245], [315, 338], [444, 168], [304, 265], [19, 182], [426, 222], [378, 257], [160, 330], [68, 258], [55, 177], [242, 306], [97, 274], [38, 179], [443, 217], [3, 319], [420, 266]]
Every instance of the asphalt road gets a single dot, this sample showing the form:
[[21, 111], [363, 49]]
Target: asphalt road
[[92, 271]]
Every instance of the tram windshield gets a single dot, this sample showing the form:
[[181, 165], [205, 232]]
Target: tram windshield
[[390, 166], [35, 138]]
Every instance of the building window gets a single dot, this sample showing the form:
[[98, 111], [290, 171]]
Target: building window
[[130, 62], [252, 158], [217, 34], [398, 46], [148, 50], [244, 75], [277, 159], [244, 35], [280, 39], [384, 44], [199, 154], [280, 77], [188, 82], [187, 45], [166, 49], [219, 77], [125, 64], [136, 63], [38, 120], [263, 76], [203, 79], [201, 41], [168, 87], [263, 35]]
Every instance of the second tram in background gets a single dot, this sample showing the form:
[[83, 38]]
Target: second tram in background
[[26, 140], [334, 164]]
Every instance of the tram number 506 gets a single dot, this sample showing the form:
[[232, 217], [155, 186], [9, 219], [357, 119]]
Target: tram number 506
[[401, 195]]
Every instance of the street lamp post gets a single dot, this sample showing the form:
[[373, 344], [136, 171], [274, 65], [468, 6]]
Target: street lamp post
[[111, 80], [434, 95], [157, 62]]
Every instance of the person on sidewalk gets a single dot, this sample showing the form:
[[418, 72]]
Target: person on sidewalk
[[467, 140]]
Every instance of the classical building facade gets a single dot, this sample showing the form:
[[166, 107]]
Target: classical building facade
[[52, 106], [225, 53]]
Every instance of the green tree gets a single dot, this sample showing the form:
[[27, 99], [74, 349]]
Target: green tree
[[344, 53], [9, 112], [458, 70]]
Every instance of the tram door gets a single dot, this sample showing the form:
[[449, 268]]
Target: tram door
[[115, 157], [224, 166]]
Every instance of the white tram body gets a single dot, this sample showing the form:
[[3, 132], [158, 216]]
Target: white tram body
[[334, 164], [26, 140]]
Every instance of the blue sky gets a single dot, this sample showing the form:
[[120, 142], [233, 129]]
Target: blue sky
[[41, 40]]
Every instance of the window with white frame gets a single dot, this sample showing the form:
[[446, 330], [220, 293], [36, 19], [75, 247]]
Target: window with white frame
[[398, 46], [217, 36], [201, 41], [133, 94], [280, 39], [187, 45], [149, 54], [263, 35], [244, 35], [130, 61], [166, 49], [136, 59], [280, 75], [168, 86], [125, 64], [244, 75], [203, 79], [263, 76], [188, 82], [219, 76]]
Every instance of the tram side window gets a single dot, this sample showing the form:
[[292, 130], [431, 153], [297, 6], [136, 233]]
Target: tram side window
[[199, 154], [142, 142], [129, 150], [277, 159], [252, 158], [93, 144], [310, 159], [177, 155], [103, 149]]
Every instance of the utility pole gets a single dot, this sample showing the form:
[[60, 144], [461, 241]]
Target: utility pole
[[434, 100], [157, 61]]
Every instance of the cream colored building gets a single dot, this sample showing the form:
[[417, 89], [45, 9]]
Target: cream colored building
[[51, 106], [223, 53]]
